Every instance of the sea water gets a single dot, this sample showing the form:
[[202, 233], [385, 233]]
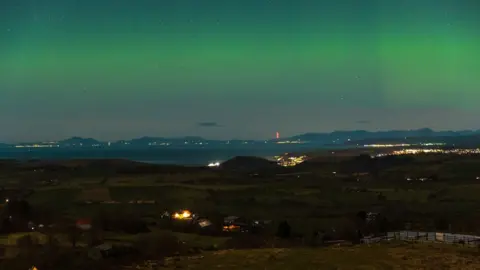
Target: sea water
[[180, 156]]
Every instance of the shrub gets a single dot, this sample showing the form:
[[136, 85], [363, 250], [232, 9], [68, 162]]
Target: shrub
[[245, 241], [284, 230], [159, 246], [26, 241]]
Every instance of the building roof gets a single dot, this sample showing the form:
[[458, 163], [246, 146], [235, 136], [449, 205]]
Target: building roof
[[84, 221]]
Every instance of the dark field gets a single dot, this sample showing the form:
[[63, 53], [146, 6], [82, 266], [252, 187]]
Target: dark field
[[322, 195]]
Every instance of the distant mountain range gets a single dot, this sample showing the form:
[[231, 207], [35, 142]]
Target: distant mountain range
[[472, 140], [79, 141], [354, 137], [358, 135]]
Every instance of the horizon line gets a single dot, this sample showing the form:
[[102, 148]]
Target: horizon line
[[236, 139]]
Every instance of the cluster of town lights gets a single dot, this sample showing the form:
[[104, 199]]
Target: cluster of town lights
[[401, 145], [290, 161], [38, 146], [431, 151], [291, 142]]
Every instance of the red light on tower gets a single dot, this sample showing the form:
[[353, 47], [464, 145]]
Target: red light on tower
[[277, 135]]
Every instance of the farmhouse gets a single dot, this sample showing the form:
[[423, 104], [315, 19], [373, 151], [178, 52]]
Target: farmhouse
[[84, 224]]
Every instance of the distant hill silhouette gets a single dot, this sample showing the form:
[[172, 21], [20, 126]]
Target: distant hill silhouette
[[146, 140], [341, 137], [79, 141], [249, 164], [460, 141], [328, 138]]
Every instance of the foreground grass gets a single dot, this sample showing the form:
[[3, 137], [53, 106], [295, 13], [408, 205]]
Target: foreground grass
[[190, 239], [385, 256]]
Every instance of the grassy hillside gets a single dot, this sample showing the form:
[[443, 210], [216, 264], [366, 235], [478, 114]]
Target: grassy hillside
[[386, 256]]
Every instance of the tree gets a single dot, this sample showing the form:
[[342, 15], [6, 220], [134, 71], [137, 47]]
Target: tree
[[248, 241], [96, 232], [104, 181], [432, 196], [27, 245], [15, 216], [26, 242], [441, 224], [94, 237], [381, 197], [73, 235], [349, 232], [362, 216], [380, 225], [317, 238], [159, 246], [284, 230]]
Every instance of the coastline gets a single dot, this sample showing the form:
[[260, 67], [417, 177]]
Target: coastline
[[168, 156]]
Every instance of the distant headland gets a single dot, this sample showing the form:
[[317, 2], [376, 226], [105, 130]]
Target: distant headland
[[335, 138]]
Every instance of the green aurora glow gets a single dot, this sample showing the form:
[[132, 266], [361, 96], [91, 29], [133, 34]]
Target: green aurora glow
[[371, 55]]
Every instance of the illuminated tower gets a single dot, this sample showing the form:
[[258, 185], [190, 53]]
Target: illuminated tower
[[277, 135]]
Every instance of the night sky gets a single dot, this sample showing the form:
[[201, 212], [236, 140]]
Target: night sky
[[235, 68]]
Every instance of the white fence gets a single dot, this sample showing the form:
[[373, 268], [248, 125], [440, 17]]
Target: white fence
[[448, 238]]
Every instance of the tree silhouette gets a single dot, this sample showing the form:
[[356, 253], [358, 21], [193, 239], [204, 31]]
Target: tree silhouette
[[284, 230], [362, 216]]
